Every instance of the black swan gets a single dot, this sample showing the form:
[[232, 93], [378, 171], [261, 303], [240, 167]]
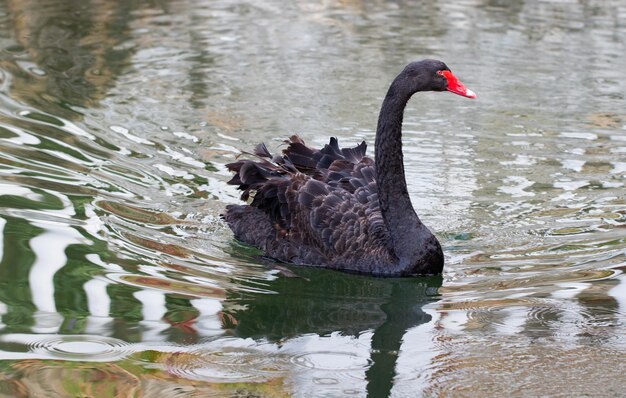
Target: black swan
[[337, 208]]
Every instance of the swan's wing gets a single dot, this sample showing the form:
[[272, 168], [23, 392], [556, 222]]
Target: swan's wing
[[347, 168], [333, 211], [338, 222], [310, 160]]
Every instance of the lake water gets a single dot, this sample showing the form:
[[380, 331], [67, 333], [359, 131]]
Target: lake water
[[118, 278]]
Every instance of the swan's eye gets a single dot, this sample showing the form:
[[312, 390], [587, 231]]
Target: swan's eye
[[440, 72]]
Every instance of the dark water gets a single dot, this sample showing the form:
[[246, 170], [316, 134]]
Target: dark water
[[117, 277]]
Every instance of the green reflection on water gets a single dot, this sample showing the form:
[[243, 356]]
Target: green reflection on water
[[319, 301], [14, 270]]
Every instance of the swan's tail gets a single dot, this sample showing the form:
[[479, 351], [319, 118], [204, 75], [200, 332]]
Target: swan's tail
[[264, 180]]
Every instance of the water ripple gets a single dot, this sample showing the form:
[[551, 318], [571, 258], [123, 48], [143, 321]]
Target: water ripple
[[74, 347], [337, 361], [226, 365]]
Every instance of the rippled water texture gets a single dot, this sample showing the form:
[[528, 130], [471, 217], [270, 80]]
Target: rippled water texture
[[117, 277]]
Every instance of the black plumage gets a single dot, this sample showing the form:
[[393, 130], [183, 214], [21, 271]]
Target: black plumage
[[335, 207]]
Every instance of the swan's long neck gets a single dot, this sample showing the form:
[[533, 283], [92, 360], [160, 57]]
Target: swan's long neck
[[395, 204]]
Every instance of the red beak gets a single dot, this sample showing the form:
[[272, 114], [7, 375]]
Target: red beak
[[455, 86]]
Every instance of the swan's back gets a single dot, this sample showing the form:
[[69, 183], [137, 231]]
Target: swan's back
[[314, 207]]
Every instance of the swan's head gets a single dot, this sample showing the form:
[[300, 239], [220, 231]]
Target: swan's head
[[433, 75]]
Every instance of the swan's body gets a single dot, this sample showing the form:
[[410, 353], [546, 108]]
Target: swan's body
[[337, 208]]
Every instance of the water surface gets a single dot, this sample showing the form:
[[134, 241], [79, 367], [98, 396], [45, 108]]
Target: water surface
[[117, 277]]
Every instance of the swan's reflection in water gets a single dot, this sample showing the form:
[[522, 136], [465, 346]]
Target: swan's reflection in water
[[327, 302]]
